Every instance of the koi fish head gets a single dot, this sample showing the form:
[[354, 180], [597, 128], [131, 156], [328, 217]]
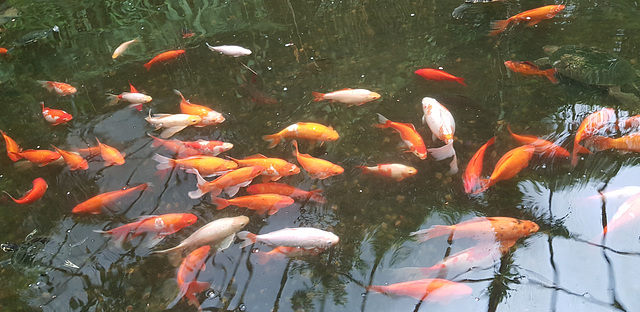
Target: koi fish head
[[374, 96], [330, 135], [188, 219]]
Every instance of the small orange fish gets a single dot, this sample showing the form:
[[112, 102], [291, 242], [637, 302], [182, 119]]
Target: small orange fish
[[261, 203], [4, 51], [397, 172], [530, 69], [629, 143], [60, 88], [208, 115], [39, 157], [508, 166], [74, 161], [430, 289], [408, 134], [474, 168], [286, 190], [276, 168], [110, 155], [94, 204], [229, 182], [589, 126], [543, 147], [36, 192], [531, 17], [12, 147], [164, 57], [159, 226], [205, 165], [188, 272], [303, 130], [55, 116], [495, 229], [316, 167], [438, 75]]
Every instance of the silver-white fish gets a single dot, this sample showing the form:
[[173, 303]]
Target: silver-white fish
[[302, 237], [172, 123], [231, 50], [122, 47], [219, 232]]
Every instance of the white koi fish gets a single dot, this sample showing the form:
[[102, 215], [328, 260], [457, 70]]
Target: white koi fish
[[302, 237], [173, 123], [231, 50], [443, 127]]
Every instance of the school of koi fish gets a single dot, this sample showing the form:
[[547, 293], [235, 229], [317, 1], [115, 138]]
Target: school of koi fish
[[223, 178]]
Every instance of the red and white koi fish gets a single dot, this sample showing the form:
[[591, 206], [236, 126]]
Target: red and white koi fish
[[220, 233], [430, 289], [495, 229], [443, 127], [302, 237], [408, 134], [229, 182], [438, 75], [303, 130], [158, 226], [347, 96], [531, 17], [95, 204], [474, 168], [36, 192], [134, 97], [508, 166], [397, 172], [55, 116], [208, 115], [122, 47], [193, 148], [261, 203], [543, 147], [589, 126], [173, 123], [231, 50], [12, 147], [60, 88], [287, 190]]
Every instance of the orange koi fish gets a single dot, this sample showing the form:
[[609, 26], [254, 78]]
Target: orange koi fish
[[543, 147], [164, 57], [134, 97], [529, 69], [443, 127], [347, 96], [276, 168], [531, 17], [303, 130], [121, 48], [496, 229], [261, 203], [187, 274], [160, 226], [438, 75], [316, 167], [287, 190], [629, 143], [474, 168], [205, 165], [430, 289], [281, 252], [94, 204], [74, 161], [13, 149], [508, 166], [230, 182], [408, 134], [589, 126], [4, 51], [39, 157], [208, 115], [60, 88], [397, 172], [89, 151], [55, 116], [110, 155], [629, 122], [36, 192]]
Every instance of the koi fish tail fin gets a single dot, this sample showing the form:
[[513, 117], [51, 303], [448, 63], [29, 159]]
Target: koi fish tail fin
[[577, 148], [600, 143], [14, 156], [201, 182], [247, 237], [220, 202], [383, 122], [46, 84], [442, 152], [194, 288], [113, 99], [453, 165], [551, 74], [317, 96], [118, 234], [180, 94], [377, 288], [147, 66], [296, 152], [164, 163], [10, 196], [364, 169], [316, 196], [427, 234], [273, 139], [263, 257], [156, 141], [498, 27], [138, 106], [484, 185], [460, 80]]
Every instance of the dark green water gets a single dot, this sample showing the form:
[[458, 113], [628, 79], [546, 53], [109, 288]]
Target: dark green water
[[299, 47]]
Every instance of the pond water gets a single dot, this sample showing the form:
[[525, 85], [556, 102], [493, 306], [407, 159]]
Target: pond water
[[300, 47]]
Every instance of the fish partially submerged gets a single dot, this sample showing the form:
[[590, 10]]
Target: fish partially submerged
[[220, 233], [173, 123], [431, 289]]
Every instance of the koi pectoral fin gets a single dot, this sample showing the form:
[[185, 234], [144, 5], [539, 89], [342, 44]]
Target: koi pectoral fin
[[168, 132]]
